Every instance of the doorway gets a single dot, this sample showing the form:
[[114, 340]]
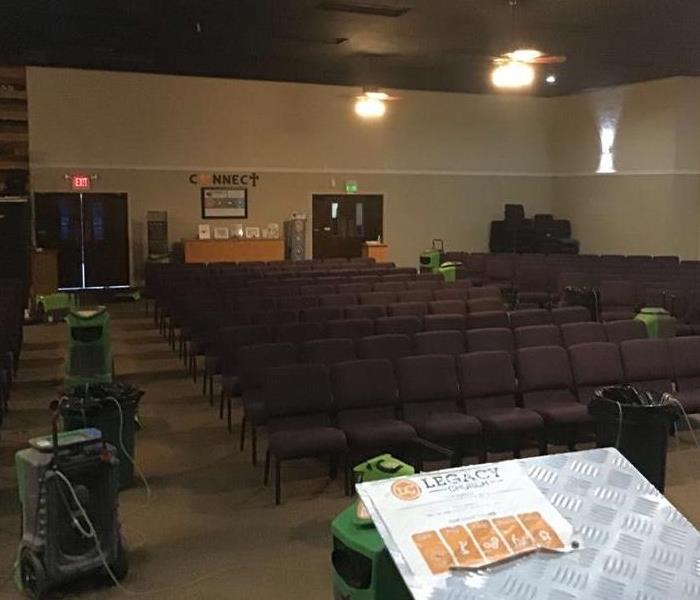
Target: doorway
[[342, 223], [89, 233], [14, 238]]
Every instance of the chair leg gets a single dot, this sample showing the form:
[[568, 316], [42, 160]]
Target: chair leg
[[211, 390], [542, 443], [333, 467], [278, 480], [221, 404], [266, 475], [228, 412], [204, 383], [242, 442], [193, 367], [254, 444]]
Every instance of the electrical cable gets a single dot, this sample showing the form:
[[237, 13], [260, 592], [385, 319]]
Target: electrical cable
[[619, 424]]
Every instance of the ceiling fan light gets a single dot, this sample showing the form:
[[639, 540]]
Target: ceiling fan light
[[513, 74], [525, 54], [368, 107], [377, 95]]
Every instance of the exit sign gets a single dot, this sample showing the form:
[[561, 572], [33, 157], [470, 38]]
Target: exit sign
[[351, 187], [80, 182]]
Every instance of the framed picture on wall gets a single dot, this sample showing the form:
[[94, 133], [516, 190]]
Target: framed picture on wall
[[221, 233], [224, 203]]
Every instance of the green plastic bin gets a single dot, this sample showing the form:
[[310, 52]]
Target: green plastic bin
[[658, 321], [89, 358]]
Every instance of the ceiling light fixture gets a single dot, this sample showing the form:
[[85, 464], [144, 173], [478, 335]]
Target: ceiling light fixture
[[512, 74], [551, 79], [371, 105]]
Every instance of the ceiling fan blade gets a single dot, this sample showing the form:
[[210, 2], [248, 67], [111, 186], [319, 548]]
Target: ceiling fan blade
[[549, 60]]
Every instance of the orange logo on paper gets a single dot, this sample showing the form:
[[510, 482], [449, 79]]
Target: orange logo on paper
[[404, 489]]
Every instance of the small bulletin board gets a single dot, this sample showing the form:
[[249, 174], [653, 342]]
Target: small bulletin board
[[224, 203]]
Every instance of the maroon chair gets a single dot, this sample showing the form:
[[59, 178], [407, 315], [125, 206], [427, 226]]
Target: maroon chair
[[425, 284], [583, 333], [298, 333], [407, 309], [476, 305], [537, 335], [439, 342], [321, 314], [486, 291], [297, 302], [685, 357], [444, 322], [500, 270], [595, 365], [354, 288], [338, 300], [546, 384], [366, 279], [416, 295], [274, 317], [491, 339], [390, 346], [532, 283], [349, 328], [618, 299], [253, 362], [382, 298], [488, 386], [317, 290], [448, 307], [454, 293], [429, 393], [365, 311], [562, 315], [647, 364], [407, 325], [530, 316], [329, 351], [366, 399], [626, 329], [491, 318], [297, 401], [393, 287]]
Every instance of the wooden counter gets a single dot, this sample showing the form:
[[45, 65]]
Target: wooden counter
[[379, 252], [213, 251]]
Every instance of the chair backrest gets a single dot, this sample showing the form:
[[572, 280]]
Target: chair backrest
[[491, 318], [416, 295], [361, 384], [595, 365], [297, 302], [647, 364], [230, 339], [487, 380], [275, 317], [296, 390], [253, 361], [321, 314], [430, 378], [448, 307], [317, 290], [425, 284], [390, 286], [583, 333], [383, 298], [685, 357], [451, 293], [365, 311], [533, 278], [338, 300], [485, 291], [390, 346], [328, 351], [475, 305], [439, 342], [627, 329], [354, 288], [570, 314], [490, 340], [349, 328], [530, 316], [444, 322], [407, 325], [296, 333], [543, 369], [616, 292], [537, 335], [403, 309]]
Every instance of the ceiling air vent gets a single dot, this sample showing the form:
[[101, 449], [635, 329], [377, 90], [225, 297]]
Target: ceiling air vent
[[365, 8]]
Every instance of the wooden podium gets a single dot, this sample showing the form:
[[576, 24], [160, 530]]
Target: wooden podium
[[379, 252], [213, 251]]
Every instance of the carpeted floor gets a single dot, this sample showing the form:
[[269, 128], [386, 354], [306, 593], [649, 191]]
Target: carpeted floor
[[211, 530]]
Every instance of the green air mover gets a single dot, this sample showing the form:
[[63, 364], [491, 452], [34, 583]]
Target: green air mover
[[52, 308], [89, 358], [362, 567], [430, 259], [658, 322]]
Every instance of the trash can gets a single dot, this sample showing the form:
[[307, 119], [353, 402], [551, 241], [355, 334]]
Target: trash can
[[637, 424], [448, 270], [658, 321], [96, 406], [362, 566], [89, 358]]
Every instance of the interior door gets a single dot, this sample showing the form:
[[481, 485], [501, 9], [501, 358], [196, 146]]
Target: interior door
[[106, 240], [342, 223], [58, 226], [14, 238]]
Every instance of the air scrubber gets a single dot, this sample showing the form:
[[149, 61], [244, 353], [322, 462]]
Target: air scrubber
[[89, 358]]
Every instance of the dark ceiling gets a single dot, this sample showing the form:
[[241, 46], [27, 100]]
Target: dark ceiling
[[405, 44]]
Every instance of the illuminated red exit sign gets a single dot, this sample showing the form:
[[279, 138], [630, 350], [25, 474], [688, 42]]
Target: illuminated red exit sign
[[80, 182]]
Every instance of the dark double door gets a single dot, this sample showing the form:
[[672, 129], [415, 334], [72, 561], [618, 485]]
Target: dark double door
[[342, 223], [90, 233]]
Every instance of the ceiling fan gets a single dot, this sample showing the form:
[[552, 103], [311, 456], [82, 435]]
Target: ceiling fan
[[514, 69], [371, 103]]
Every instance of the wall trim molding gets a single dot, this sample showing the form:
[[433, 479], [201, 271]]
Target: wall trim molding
[[346, 171]]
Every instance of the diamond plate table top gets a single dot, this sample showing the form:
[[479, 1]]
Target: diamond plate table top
[[637, 546]]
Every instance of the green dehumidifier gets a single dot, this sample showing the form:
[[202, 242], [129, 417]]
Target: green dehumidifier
[[430, 259], [362, 566], [89, 358]]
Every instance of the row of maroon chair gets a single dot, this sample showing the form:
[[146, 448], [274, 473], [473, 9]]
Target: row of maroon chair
[[12, 301], [479, 403]]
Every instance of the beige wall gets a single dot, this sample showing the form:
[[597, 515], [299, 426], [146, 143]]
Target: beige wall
[[446, 163]]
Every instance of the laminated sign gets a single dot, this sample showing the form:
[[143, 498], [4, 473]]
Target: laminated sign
[[440, 523]]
